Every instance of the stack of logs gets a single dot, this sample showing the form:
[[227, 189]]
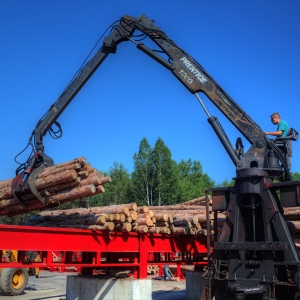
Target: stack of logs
[[57, 184], [186, 218]]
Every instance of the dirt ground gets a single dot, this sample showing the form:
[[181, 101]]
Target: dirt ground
[[52, 286]]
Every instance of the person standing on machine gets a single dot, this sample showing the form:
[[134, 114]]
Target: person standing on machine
[[282, 126]]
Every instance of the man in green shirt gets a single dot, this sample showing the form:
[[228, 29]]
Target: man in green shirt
[[282, 126]]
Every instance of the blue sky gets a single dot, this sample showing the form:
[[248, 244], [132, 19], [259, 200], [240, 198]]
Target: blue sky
[[251, 48]]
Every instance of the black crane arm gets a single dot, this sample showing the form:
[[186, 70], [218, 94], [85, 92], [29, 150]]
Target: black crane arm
[[184, 67], [120, 33], [181, 64], [196, 79]]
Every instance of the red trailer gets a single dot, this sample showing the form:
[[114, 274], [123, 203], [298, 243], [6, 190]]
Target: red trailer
[[92, 252]]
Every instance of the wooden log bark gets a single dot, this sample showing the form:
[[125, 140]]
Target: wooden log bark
[[144, 215], [91, 179], [197, 201], [133, 215], [52, 171], [123, 227], [145, 221], [45, 182], [180, 222], [161, 224], [140, 229], [163, 229], [65, 196], [201, 232], [153, 230], [83, 174], [179, 207], [179, 230], [5, 183], [161, 217], [294, 226], [142, 209]]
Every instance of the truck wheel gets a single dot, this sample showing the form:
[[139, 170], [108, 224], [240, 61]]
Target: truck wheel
[[13, 281]]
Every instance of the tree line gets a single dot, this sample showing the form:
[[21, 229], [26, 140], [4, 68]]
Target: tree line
[[156, 179]]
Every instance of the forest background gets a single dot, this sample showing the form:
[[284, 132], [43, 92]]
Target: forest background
[[156, 179]]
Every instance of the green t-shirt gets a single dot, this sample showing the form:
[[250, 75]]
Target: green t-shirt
[[283, 125]]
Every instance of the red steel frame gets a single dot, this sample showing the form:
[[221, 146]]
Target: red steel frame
[[101, 250]]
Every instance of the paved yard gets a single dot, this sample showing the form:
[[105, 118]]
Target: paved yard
[[52, 286]]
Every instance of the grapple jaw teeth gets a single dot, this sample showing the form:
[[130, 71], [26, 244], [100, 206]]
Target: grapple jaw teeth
[[26, 181]]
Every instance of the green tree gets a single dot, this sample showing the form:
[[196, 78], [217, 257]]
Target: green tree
[[192, 179], [119, 190], [295, 175], [226, 183], [165, 175], [142, 176]]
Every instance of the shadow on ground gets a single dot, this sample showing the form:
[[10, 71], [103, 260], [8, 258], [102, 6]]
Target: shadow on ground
[[169, 295]]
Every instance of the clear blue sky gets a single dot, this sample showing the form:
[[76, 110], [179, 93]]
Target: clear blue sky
[[251, 48]]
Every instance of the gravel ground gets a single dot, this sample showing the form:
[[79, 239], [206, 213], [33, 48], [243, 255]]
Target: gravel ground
[[52, 286]]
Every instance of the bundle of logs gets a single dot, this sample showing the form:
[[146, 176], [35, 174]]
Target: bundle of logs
[[185, 218], [57, 184]]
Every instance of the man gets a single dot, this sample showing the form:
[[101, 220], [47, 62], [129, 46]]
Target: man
[[282, 126], [282, 131], [166, 273]]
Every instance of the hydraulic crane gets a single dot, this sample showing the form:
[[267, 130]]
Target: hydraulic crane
[[255, 257]]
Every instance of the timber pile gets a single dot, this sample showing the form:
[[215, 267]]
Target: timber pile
[[57, 184], [185, 218]]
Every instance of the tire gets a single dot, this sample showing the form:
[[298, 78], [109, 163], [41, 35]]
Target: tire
[[13, 281]]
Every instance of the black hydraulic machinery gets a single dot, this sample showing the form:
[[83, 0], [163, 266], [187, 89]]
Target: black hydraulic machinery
[[255, 256]]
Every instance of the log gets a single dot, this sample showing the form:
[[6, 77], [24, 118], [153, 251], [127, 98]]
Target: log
[[128, 219], [140, 228], [151, 212], [52, 171], [45, 182], [163, 230], [153, 230], [161, 217], [87, 167], [294, 226], [133, 215], [162, 224], [142, 209], [65, 196], [114, 217], [108, 226], [112, 209], [180, 222], [91, 179], [145, 221], [188, 212], [100, 189], [83, 174], [179, 230], [144, 215], [197, 201], [5, 183], [179, 207], [123, 227], [201, 232]]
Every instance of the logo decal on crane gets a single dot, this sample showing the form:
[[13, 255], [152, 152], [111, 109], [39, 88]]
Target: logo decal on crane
[[199, 75]]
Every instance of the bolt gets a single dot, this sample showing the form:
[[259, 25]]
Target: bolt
[[260, 143]]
